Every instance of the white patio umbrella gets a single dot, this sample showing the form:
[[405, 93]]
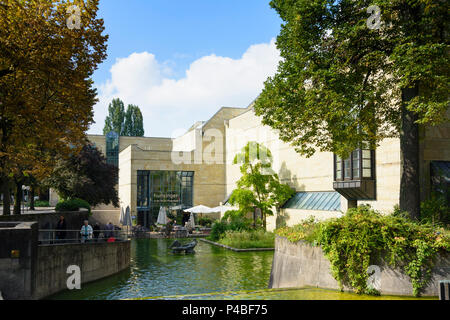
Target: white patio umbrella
[[191, 221], [162, 216], [127, 218], [122, 216], [215, 209], [199, 209]]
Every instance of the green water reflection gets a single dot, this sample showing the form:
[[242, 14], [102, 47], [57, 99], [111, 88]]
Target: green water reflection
[[212, 273]]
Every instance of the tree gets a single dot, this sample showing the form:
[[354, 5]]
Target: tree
[[134, 123], [46, 90], [343, 83], [87, 176], [259, 186], [115, 119], [129, 123]]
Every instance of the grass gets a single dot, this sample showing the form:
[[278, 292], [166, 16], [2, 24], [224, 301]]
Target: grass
[[248, 239]]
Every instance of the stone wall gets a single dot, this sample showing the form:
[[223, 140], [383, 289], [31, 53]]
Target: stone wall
[[48, 220], [18, 243], [30, 271], [297, 265], [96, 261]]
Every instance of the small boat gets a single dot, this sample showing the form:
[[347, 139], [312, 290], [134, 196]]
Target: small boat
[[188, 248]]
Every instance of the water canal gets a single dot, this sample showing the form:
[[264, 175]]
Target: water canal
[[212, 273]]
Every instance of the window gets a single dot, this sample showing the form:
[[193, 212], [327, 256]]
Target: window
[[360, 165], [112, 148]]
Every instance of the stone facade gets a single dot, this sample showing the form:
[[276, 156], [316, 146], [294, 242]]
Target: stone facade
[[209, 148]]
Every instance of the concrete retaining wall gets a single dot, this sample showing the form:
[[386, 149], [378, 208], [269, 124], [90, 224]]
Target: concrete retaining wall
[[48, 220], [96, 261], [18, 243], [30, 271], [297, 265]]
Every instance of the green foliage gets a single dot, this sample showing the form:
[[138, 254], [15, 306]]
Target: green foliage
[[231, 221], [340, 83], [435, 211], [363, 237], [259, 186], [129, 123], [115, 119], [72, 205], [248, 239], [205, 222], [218, 230], [41, 204], [134, 123], [86, 175]]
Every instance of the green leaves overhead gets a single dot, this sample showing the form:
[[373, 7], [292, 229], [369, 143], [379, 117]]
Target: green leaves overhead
[[340, 82]]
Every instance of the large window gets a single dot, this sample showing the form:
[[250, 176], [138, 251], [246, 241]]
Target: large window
[[112, 148], [359, 165], [162, 188], [354, 177]]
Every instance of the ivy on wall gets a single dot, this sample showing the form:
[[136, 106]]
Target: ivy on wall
[[363, 237]]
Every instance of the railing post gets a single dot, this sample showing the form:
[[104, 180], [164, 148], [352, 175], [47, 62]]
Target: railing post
[[444, 290]]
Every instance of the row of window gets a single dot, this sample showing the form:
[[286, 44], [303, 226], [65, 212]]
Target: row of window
[[359, 165]]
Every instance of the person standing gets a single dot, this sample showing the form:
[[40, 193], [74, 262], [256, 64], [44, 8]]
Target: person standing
[[86, 232], [96, 231], [61, 226], [110, 230]]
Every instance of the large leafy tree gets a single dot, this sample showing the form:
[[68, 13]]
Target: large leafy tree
[[46, 90], [87, 176], [259, 186], [116, 117], [129, 123], [343, 82], [134, 123]]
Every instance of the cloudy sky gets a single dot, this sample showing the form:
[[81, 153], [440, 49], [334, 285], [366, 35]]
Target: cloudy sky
[[180, 61]]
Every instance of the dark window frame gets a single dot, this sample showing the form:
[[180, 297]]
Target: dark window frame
[[360, 169]]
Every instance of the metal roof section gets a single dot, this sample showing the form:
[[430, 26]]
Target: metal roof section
[[319, 201]]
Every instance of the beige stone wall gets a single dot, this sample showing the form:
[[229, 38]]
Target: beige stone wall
[[209, 188]]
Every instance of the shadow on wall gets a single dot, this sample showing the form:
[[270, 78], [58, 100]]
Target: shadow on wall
[[286, 176]]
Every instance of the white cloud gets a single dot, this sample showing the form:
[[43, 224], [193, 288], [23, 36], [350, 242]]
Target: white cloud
[[168, 104]]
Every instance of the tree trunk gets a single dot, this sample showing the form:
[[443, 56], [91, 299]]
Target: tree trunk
[[6, 196], [409, 147], [32, 192], [17, 198]]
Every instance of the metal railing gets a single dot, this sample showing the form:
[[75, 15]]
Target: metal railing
[[53, 236]]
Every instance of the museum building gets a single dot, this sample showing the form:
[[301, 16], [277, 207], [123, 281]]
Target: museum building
[[197, 169]]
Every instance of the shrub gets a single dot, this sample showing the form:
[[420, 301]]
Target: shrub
[[41, 203], [435, 211], [363, 236], [248, 239], [72, 205], [218, 230], [205, 221]]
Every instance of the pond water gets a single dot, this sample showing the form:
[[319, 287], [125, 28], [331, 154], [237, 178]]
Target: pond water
[[212, 273]]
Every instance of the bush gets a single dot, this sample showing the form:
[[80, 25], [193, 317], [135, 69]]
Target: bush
[[435, 211], [41, 204], [248, 239], [205, 222], [72, 205], [362, 236], [218, 230]]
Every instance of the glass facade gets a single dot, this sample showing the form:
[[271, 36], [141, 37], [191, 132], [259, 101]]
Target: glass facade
[[156, 189], [112, 148]]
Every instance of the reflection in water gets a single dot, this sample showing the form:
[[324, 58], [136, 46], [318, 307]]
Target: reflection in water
[[156, 272]]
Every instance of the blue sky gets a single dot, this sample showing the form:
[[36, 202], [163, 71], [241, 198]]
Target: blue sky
[[159, 49]]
